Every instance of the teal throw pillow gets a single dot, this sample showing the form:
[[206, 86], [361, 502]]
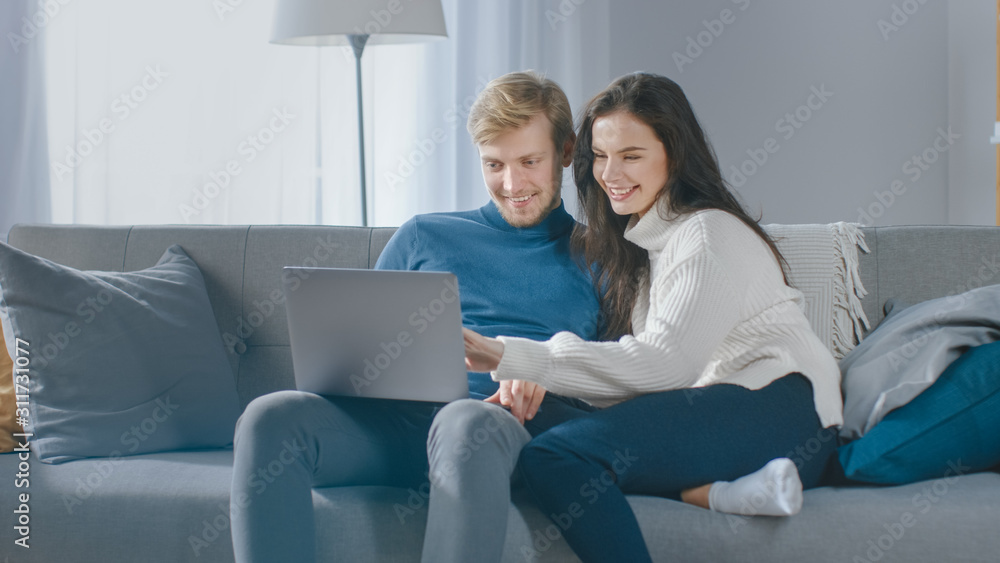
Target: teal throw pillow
[[952, 427]]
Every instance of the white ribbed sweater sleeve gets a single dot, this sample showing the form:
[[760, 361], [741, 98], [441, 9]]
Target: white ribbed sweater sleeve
[[697, 304]]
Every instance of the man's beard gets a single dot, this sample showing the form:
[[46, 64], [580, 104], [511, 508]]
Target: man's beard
[[523, 222]]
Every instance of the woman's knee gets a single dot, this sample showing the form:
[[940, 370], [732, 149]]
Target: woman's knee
[[543, 455], [814, 455]]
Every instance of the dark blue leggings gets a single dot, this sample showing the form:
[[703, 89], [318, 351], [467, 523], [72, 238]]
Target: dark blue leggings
[[661, 444]]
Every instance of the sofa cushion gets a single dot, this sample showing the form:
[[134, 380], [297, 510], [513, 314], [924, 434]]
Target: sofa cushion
[[956, 420], [121, 363], [167, 506], [172, 507]]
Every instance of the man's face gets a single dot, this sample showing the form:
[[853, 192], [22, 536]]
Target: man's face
[[523, 172]]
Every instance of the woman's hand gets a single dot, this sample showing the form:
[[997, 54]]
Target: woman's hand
[[482, 353], [522, 397]]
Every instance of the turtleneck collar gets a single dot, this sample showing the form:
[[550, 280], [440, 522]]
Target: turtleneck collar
[[553, 226], [651, 232]]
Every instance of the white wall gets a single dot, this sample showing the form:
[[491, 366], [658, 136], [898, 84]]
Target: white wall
[[888, 72], [972, 94]]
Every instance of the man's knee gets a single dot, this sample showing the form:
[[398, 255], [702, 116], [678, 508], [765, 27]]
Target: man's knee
[[469, 418], [465, 427], [274, 416]]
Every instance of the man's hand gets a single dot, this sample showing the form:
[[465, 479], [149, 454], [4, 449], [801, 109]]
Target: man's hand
[[523, 398], [482, 353]]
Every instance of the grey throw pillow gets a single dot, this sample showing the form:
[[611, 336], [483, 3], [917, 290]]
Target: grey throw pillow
[[120, 363], [909, 350]]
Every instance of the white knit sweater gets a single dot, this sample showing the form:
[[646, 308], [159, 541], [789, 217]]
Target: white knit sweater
[[714, 309]]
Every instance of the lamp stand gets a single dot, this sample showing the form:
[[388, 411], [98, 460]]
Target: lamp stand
[[358, 44]]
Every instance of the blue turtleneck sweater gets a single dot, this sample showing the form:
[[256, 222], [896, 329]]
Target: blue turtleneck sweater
[[512, 281]]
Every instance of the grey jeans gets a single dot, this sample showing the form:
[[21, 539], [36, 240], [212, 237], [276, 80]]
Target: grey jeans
[[289, 442]]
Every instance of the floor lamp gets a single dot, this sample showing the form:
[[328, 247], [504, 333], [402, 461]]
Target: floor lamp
[[356, 23]]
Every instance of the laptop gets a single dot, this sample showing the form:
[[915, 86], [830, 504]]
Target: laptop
[[381, 334]]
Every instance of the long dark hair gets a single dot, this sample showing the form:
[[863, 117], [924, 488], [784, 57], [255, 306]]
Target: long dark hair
[[694, 183]]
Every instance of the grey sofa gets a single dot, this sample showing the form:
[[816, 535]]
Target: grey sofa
[[174, 506]]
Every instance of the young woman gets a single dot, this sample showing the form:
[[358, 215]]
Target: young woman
[[714, 371]]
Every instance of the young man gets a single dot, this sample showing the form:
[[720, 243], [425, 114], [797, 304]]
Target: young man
[[518, 277]]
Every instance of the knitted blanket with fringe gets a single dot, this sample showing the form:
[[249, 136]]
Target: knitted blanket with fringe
[[823, 265]]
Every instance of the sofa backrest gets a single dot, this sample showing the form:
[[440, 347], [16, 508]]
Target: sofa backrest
[[242, 270], [917, 263]]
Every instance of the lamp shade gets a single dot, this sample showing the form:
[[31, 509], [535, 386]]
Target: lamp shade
[[329, 22]]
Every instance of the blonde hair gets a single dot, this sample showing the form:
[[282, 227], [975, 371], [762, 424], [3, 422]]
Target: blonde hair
[[512, 100]]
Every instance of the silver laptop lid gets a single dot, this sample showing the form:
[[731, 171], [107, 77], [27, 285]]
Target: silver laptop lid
[[376, 333]]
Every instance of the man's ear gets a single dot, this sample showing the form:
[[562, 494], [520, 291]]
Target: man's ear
[[567, 155]]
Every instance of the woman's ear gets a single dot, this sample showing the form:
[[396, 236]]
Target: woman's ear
[[567, 155]]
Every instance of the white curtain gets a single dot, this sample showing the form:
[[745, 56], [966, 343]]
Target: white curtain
[[182, 112], [24, 180]]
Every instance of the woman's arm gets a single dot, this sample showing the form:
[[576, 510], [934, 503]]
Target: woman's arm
[[694, 305], [483, 353]]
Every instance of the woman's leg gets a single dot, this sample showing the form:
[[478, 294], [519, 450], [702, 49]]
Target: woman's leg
[[289, 442], [660, 444]]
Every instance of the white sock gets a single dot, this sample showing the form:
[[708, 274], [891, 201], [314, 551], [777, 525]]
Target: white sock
[[774, 490]]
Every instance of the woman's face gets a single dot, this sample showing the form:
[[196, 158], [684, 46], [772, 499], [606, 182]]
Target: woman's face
[[630, 162]]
